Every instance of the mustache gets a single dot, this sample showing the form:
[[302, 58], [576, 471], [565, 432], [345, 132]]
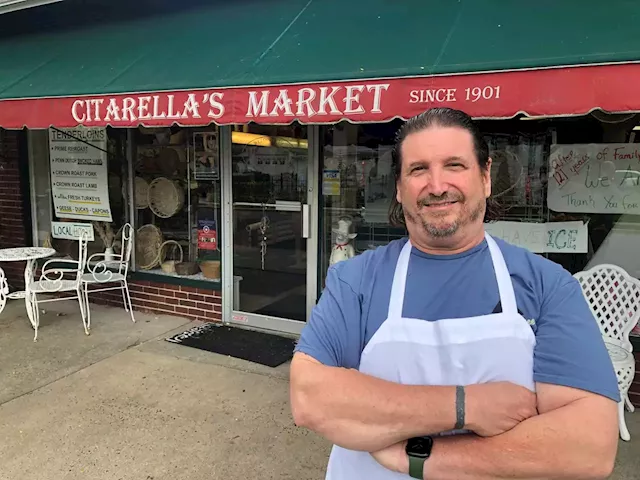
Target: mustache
[[436, 199]]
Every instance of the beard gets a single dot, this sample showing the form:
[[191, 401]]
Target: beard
[[442, 229]]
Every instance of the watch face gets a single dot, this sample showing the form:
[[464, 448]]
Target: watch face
[[420, 446]]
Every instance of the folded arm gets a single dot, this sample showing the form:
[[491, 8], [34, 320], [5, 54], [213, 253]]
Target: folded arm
[[573, 438], [360, 412]]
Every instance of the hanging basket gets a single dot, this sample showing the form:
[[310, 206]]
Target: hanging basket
[[141, 193], [149, 239], [165, 197], [169, 266]]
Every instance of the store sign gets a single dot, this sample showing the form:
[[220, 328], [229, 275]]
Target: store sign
[[207, 235], [595, 178], [552, 91], [552, 237], [72, 231], [79, 178]]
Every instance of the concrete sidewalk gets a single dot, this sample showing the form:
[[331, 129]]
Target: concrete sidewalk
[[124, 404]]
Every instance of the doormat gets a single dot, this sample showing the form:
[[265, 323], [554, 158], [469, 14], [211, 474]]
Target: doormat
[[257, 347]]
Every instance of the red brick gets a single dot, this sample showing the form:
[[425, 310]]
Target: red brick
[[196, 297], [205, 306]]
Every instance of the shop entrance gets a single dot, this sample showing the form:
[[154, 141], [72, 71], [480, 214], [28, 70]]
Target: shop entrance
[[271, 191]]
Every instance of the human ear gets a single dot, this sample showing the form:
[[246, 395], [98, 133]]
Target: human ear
[[398, 195], [486, 176]]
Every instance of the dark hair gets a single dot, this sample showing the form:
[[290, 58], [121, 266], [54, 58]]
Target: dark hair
[[440, 117]]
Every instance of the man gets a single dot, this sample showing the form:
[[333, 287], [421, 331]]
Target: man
[[452, 355]]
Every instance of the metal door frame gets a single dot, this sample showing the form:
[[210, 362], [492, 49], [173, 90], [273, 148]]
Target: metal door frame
[[310, 211]]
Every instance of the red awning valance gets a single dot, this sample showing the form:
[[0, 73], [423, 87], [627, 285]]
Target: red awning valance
[[561, 91]]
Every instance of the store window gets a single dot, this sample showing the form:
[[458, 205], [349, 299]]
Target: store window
[[81, 177], [357, 187], [177, 202], [79, 180], [567, 189]]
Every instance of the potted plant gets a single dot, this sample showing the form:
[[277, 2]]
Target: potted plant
[[105, 231]]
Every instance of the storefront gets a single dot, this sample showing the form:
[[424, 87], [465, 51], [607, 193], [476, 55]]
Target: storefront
[[239, 163]]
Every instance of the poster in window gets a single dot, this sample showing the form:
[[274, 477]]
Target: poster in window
[[79, 177], [207, 235], [206, 154]]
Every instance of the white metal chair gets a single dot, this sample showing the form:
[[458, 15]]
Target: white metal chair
[[614, 298], [114, 271], [4, 290], [55, 279]]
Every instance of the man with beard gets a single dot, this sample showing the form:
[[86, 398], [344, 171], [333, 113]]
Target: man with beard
[[450, 354]]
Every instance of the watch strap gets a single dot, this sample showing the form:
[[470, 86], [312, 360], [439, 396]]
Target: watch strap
[[416, 467], [460, 407]]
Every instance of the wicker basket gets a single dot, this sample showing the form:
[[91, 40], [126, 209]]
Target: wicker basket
[[211, 269], [185, 269], [149, 239], [169, 266], [141, 193], [165, 197]]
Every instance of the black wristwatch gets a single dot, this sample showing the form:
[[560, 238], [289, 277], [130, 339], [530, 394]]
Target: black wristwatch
[[418, 449]]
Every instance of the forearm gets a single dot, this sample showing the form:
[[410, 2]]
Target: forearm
[[552, 446], [361, 412]]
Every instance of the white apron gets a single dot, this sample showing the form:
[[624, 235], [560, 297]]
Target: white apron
[[457, 351]]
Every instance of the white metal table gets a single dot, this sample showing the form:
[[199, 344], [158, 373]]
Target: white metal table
[[30, 255]]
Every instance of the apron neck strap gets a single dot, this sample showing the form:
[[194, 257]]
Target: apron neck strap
[[505, 286], [399, 282]]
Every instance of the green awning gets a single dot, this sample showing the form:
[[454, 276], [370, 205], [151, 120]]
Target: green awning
[[64, 50]]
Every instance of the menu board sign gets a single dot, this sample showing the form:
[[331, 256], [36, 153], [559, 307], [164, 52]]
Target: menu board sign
[[79, 179]]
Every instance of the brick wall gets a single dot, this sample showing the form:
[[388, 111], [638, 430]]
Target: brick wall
[[189, 302], [13, 214]]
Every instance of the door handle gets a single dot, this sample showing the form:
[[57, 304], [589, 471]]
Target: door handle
[[305, 221]]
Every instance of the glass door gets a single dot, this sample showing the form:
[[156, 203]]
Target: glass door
[[270, 225]]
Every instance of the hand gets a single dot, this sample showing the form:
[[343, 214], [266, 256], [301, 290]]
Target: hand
[[393, 458], [494, 408]]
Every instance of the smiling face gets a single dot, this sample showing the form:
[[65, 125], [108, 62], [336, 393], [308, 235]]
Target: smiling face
[[441, 187]]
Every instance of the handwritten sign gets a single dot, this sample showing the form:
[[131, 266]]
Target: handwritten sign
[[552, 237], [79, 178], [595, 178], [71, 231]]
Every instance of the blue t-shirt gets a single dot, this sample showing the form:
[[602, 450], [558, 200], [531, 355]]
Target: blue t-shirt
[[570, 350]]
